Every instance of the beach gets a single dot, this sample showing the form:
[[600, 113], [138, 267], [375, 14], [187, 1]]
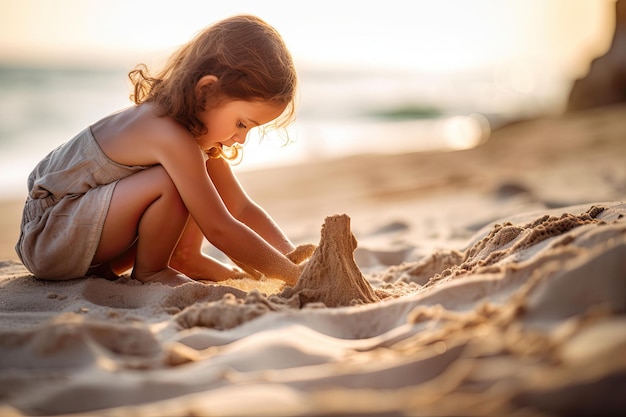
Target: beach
[[488, 281]]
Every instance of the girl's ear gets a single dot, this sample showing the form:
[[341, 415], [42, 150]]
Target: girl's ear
[[204, 86]]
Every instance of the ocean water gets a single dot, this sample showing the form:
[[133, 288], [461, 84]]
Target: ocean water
[[341, 112]]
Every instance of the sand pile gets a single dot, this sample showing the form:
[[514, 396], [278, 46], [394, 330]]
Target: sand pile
[[526, 318], [510, 239], [331, 276]]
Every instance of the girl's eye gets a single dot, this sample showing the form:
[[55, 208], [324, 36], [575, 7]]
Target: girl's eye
[[241, 125]]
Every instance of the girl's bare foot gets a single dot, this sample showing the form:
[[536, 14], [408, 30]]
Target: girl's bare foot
[[201, 267], [103, 271], [167, 276]]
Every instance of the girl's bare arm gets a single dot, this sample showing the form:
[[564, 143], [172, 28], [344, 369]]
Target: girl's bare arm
[[243, 208], [184, 162]]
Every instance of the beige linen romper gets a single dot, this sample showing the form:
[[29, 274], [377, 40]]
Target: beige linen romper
[[69, 193]]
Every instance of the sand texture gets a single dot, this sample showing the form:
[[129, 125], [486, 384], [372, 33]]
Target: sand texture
[[487, 282], [529, 318]]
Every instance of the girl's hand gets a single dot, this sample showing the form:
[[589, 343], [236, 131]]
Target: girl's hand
[[301, 253], [299, 256]]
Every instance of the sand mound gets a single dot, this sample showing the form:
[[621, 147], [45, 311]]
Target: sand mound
[[508, 239], [331, 276]]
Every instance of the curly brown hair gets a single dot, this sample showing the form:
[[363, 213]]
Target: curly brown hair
[[249, 59]]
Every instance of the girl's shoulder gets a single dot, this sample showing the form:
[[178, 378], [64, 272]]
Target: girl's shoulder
[[139, 136], [137, 120], [147, 119]]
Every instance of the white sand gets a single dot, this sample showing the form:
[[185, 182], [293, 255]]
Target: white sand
[[483, 300]]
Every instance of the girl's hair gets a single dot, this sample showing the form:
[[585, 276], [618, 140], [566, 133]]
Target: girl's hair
[[249, 59]]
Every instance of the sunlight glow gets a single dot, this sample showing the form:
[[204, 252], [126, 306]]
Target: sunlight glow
[[465, 132], [427, 35]]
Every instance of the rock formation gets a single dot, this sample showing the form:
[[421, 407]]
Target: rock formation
[[605, 83]]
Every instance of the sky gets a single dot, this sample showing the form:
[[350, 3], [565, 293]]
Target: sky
[[419, 35]]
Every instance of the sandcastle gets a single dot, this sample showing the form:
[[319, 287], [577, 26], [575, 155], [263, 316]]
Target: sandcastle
[[331, 275]]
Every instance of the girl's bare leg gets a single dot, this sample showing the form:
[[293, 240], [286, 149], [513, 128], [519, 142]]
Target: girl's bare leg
[[147, 217], [114, 268], [189, 259]]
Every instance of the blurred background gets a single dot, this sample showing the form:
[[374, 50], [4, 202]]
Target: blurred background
[[384, 77]]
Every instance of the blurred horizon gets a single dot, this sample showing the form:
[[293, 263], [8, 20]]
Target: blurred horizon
[[422, 35], [393, 77]]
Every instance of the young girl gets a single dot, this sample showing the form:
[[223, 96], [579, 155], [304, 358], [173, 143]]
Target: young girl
[[142, 187]]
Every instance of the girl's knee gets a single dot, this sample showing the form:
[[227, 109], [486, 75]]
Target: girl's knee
[[162, 178], [164, 184]]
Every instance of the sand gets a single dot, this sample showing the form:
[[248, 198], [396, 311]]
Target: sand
[[483, 282]]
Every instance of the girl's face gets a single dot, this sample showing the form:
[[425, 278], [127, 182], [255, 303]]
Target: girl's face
[[230, 121]]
